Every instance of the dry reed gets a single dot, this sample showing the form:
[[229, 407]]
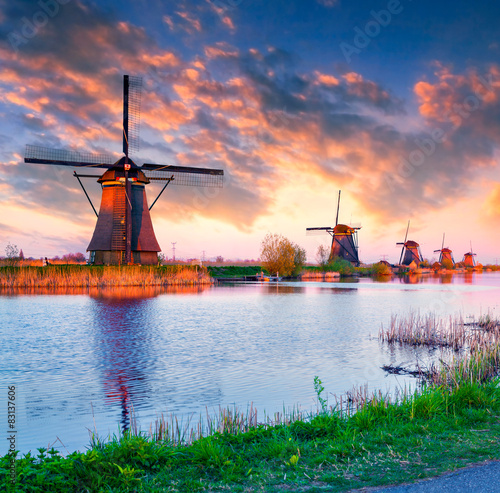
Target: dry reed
[[101, 276], [478, 342]]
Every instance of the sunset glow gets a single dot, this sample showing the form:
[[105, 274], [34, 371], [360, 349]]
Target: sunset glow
[[286, 97]]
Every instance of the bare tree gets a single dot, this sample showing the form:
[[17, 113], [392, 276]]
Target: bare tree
[[322, 256], [11, 254]]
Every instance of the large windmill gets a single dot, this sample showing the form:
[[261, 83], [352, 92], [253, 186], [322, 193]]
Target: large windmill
[[410, 252], [445, 254], [124, 231], [344, 239]]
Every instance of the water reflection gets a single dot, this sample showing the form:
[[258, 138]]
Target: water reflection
[[122, 343], [118, 292]]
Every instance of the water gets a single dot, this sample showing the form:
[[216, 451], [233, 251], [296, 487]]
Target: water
[[83, 361]]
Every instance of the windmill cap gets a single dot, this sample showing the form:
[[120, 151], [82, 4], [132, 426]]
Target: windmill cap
[[115, 174], [343, 229], [410, 244]]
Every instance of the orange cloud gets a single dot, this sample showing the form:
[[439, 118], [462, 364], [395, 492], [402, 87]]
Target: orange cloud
[[491, 205], [452, 96]]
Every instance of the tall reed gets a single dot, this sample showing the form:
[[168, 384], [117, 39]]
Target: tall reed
[[476, 345], [102, 276]]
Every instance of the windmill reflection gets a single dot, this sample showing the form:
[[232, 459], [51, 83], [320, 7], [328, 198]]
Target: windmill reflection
[[123, 342]]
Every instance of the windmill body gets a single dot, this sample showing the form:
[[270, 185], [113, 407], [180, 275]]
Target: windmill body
[[469, 260], [411, 253], [446, 255], [107, 245], [344, 240], [124, 230], [345, 243]]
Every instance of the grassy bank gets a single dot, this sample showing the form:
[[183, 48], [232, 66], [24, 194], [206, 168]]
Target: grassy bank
[[101, 276], [438, 429]]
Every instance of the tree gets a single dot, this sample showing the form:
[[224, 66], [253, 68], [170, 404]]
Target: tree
[[12, 254], [279, 255], [447, 264], [299, 259], [72, 258], [322, 256]]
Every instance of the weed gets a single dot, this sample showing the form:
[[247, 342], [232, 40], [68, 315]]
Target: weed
[[318, 387]]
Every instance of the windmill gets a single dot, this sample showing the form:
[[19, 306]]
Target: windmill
[[469, 260], [410, 251], [445, 255], [124, 230], [344, 239]]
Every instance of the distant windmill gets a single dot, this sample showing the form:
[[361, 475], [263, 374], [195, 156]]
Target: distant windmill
[[344, 239], [469, 260], [124, 231], [445, 254], [410, 251]]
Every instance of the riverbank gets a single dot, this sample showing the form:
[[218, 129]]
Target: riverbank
[[436, 430], [102, 276]]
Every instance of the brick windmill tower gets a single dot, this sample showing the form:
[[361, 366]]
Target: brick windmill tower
[[344, 239], [124, 231]]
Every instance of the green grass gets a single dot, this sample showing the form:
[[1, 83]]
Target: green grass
[[436, 430], [228, 271]]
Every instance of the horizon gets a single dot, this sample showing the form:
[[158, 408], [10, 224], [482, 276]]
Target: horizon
[[396, 103]]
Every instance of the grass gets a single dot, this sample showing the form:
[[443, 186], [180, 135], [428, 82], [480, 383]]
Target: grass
[[101, 276], [365, 439], [421, 435], [228, 271]]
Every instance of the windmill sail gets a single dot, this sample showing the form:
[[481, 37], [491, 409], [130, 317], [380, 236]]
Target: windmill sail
[[124, 230], [61, 157], [184, 175], [132, 89]]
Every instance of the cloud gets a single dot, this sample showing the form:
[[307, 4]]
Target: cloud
[[255, 113], [491, 205]]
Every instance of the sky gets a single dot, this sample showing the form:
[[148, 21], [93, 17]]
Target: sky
[[394, 102]]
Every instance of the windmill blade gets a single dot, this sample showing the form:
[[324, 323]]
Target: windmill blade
[[338, 208], [184, 175], [407, 229], [435, 251], [62, 157], [132, 88], [318, 231]]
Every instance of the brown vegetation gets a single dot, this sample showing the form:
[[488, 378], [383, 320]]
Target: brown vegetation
[[279, 255], [100, 276]]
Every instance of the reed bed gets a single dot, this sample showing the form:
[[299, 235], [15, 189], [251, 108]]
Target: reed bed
[[430, 330], [225, 420], [101, 276], [476, 345]]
